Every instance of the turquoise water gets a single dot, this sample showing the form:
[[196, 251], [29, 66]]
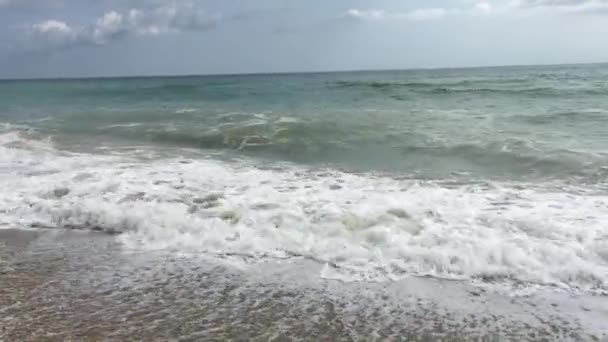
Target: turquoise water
[[493, 122], [495, 175]]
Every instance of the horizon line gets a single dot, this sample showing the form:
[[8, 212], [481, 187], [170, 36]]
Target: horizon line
[[286, 73]]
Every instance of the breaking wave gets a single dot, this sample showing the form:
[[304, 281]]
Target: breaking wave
[[361, 226]]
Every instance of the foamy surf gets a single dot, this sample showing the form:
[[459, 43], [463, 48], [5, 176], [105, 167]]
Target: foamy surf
[[361, 227]]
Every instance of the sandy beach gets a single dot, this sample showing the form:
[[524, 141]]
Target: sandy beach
[[81, 286]]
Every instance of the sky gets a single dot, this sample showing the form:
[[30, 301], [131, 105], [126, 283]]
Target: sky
[[84, 38]]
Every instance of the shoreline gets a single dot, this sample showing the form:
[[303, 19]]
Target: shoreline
[[59, 285]]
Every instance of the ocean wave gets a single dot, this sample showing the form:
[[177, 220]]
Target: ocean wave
[[122, 125], [252, 132], [311, 141], [363, 227], [419, 84], [583, 116], [471, 87], [355, 147], [114, 89], [383, 86], [185, 111]]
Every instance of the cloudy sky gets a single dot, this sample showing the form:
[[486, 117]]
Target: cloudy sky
[[67, 38]]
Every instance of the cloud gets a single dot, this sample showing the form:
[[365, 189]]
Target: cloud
[[536, 3], [54, 34], [110, 26], [375, 15], [165, 19], [53, 27], [358, 14], [566, 6], [483, 7], [421, 14], [115, 25]]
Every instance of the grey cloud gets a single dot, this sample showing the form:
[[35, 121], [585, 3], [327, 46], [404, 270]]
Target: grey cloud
[[535, 3], [191, 19], [568, 6]]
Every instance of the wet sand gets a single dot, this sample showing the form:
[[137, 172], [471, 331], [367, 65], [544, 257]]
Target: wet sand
[[82, 286]]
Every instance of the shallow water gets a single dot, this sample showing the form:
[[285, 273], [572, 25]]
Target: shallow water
[[84, 286]]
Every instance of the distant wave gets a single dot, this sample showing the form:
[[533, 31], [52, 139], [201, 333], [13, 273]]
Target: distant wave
[[173, 88], [127, 91], [532, 91], [469, 86], [389, 85]]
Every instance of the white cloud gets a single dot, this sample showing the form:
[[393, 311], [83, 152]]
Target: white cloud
[[354, 13], [416, 15], [420, 14], [164, 19], [52, 26], [483, 7], [54, 33], [108, 26], [115, 25]]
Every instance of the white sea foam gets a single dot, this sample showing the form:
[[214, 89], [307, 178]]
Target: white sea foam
[[125, 125], [287, 119], [185, 110], [363, 227]]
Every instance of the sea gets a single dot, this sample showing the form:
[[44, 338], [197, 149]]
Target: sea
[[492, 179]]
